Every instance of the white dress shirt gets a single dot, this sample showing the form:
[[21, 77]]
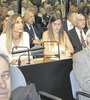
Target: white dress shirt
[[35, 36], [78, 33], [69, 25]]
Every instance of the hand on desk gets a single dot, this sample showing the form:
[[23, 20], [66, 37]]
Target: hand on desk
[[37, 42], [22, 62]]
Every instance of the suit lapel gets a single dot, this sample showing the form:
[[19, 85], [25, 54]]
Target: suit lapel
[[76, 37], [28, 30]]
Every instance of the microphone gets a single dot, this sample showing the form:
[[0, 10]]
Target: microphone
[[22, 51], [57, 45], [15, 52]]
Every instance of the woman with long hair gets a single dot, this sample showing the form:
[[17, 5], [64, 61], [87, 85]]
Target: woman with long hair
[[14, 37], [56, 33]]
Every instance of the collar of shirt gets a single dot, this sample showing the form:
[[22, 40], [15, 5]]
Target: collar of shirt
[[70, 25], [78, 33], [33, 30], [28, 26]]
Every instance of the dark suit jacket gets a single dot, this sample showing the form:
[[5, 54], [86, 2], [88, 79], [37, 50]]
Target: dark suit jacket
[[65, 26], [75, 40], [38, 30]]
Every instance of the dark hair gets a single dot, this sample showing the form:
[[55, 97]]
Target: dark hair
[[4, 18], [53, 18]]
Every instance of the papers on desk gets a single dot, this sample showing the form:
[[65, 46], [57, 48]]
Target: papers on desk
[[62, 58]]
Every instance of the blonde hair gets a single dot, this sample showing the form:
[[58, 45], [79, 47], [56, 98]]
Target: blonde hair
[[9, 31]]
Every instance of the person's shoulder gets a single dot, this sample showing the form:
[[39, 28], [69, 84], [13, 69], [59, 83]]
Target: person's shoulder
[[3, 36], [25, 34], [71, 31], [45, 32], [80, 53]]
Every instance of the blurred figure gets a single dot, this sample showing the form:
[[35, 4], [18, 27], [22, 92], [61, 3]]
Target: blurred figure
[[34, 30], [56, 33], [73, 7], [58, 11], [46, 16], [38, 19], [25, 6], [85, 11], [69, 23], [14, 37], [3, 23], [88, 21], [3, 14], [14, 8], [77, 35], [5, 79]]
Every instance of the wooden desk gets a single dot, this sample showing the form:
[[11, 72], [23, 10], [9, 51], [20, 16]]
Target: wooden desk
[[48, 59]]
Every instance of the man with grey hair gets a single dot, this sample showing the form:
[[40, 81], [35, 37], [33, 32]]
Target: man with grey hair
[[77, 34], [69, 23], [81, 67]]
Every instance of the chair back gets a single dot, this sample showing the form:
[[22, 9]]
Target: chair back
[[74, 85], [17, 77]]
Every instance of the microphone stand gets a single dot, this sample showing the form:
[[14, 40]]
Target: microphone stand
[[22, 51], [58, 47], [20, 56]]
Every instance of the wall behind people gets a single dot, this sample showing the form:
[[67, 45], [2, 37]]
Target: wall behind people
[[36, 2]]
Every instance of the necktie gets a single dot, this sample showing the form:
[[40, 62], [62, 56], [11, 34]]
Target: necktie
[[82, 40], [32, 32]]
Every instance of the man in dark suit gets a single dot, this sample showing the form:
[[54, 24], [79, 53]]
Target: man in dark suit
[[68, 24], [77, 35], [35, 30]]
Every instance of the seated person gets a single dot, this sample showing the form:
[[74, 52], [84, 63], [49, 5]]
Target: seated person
[[81, 67], [88, 21], [3, 14], [56, 33], [34, 30], [14, 36], [20, 93], [3, 23], [5, 79]]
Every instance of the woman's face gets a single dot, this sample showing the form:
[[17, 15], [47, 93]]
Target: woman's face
[[18, 26], [56, 25]]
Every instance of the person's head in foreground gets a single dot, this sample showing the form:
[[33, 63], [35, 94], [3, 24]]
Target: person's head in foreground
[[5, 79]]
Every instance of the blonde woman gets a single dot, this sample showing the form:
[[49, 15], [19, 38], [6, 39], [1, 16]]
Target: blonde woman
[[56, 33], [14, 36]]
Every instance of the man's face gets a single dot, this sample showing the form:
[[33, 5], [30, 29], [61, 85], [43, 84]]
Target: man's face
[[3, 12], [29, 18], [80, 23], [5, 80]]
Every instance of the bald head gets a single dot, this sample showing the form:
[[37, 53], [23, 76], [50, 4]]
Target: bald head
[[29, 18]]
